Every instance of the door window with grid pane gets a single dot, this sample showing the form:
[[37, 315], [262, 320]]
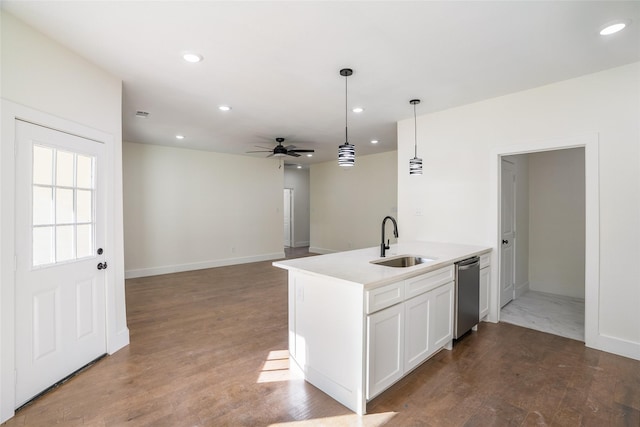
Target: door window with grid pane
[[63, 189]]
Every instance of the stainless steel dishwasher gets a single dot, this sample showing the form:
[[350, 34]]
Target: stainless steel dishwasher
[[467, 314]]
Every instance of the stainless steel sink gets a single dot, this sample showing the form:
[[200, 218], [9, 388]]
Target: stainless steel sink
[[402, 261]]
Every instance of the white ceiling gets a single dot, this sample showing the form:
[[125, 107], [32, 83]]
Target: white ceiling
[[277, 63]]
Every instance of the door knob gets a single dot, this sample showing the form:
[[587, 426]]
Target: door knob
[[102, 265], [505, 242]]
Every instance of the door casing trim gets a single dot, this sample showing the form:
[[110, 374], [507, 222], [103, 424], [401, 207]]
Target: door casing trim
[[590, 143]]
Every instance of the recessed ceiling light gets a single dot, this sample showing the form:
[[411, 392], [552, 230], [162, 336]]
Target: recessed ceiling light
[[309, 155], [224, 108], [358, 110], [192, 57], [299, 167], [179, 136], [374, 141], [613, 28]]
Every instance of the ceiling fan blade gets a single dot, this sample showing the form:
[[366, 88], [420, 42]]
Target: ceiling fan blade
[[271, 155], [302, 151], [264, 148], [261, 151], [293, 154], [290, 147]]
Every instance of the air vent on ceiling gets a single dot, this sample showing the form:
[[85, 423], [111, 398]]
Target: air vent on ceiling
[[142, 114]]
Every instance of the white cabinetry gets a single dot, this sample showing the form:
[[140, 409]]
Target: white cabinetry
[[441, 319], [417, 337], [428, 324], [355, 328], [485, 281], [384, 296], [385, 352], [425, 282], [402, 336]]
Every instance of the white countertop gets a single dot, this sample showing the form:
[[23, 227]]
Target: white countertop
[[356, 267]]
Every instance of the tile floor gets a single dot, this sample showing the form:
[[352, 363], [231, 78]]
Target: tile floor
[[555, 314]]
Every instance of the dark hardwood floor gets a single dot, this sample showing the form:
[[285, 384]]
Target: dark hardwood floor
[[208, 348]]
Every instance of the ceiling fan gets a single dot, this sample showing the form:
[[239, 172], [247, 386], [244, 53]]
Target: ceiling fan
[[281, 151]]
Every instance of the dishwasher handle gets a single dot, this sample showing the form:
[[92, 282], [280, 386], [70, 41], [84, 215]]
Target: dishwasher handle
[[468, 263]]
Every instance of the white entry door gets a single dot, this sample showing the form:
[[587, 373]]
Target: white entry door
[[508, 232], [60, 285]]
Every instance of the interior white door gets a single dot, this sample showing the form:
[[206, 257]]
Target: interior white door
[[508, 232], [288, 217], [60, 229]]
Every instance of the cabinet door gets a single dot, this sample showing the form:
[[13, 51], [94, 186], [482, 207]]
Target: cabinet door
[[485, 279], [417, 329], [441, 316], [385, 349]]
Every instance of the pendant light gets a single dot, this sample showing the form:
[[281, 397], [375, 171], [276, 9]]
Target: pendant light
[[346, 151], [415, 164]]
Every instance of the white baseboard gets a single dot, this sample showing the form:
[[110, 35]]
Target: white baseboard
[[617, 346], [120, 340], [521, 289], [565, 291], [301, 244], [154, 271], [321, 251]]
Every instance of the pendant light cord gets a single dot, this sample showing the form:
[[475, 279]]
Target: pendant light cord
[[415, 131], [346, 108]]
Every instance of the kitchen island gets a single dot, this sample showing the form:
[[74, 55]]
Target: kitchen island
[[356, 327]]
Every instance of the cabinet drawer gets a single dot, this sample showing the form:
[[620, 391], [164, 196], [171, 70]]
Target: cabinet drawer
[[485, 260], [420, 284], [384, 296]]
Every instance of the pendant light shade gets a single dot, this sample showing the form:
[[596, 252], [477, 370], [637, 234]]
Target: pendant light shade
[[346, 154], [415, 164], [346, 151]]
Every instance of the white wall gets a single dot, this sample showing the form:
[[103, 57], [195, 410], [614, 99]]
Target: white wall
[[45, 83], [348, 204], [188, 209], [521, 163], [557, 222], [298, 180], [457, 193]]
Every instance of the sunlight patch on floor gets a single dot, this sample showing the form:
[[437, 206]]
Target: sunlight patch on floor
[[276, 368], [369, 420]]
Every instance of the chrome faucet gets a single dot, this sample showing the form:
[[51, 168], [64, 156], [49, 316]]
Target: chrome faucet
[[383, 246]]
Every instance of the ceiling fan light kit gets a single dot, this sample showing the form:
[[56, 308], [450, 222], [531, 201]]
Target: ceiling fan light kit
[[346, 151], [415, 164]]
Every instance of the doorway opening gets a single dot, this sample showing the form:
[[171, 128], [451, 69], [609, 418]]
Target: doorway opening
[[296, 210], [288, 218], [542, 247]]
